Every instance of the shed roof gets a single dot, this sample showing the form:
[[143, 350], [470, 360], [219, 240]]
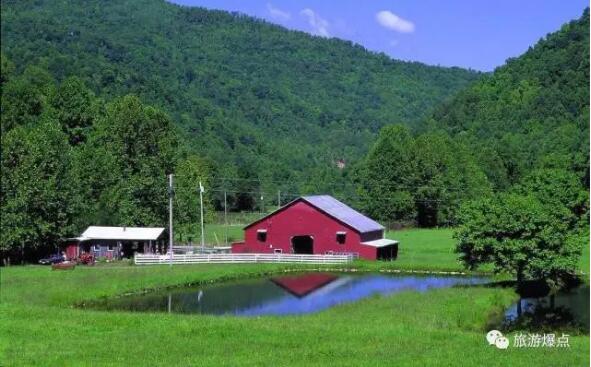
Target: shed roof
[[383, 242], [337, 210], [122, 233]]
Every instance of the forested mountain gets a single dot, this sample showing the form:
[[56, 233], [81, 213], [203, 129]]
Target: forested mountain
[[531, 112], [259, 100], [530, 118]]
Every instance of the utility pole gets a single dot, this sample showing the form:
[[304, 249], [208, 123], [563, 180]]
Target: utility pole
[[170, 235], [278, 199], [225, 219], [201, 191]]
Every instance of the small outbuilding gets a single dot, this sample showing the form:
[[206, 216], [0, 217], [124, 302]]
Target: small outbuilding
[[318, 224], [116, 242]]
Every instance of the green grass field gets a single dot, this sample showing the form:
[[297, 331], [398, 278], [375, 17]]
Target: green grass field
[[426, 249], [215, 234], [445, 327]]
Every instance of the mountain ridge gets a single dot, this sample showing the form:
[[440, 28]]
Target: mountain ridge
[[234, 84], [531, 111]]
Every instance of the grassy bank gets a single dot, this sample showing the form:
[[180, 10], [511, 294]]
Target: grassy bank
[[442, 327]]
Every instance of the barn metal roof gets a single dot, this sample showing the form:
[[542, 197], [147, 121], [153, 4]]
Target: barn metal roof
[[122, 233], [343, 213], [335, 209]]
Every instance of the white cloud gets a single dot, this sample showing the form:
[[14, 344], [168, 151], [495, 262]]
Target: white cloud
[[318, 24], [393, 43], [393, 22], [277, 13]]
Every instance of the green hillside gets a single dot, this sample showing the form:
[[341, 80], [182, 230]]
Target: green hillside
[[526, 122], [259, 100], [531, 112]]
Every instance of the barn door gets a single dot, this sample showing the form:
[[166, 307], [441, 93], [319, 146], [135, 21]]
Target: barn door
[[302, 245]]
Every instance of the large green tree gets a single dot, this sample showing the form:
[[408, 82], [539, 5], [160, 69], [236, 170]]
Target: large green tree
[[139, 145], [534, 232], [388, 176], [446, 174], [76, 108], [38, 201], [422, 178], [24, 97], [518, 235], [70, 160], [190, 172]]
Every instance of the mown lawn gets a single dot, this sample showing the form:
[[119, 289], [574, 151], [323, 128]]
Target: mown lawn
[[444, 327], [215, 234], [426, 249]]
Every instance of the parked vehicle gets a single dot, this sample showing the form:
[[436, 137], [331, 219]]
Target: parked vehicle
[[53, 259]]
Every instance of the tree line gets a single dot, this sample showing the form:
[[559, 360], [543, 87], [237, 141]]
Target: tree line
[[71, 159]]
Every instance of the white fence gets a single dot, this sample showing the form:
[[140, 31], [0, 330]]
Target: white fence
[[141, 259]]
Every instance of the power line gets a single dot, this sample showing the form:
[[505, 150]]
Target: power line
[[374, 186]]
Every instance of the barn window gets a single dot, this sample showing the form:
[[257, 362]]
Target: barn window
[[262, 235], [110, 247], [278, 251], [341, 237]]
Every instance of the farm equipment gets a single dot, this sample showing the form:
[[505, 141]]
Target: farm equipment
[[86, 259]]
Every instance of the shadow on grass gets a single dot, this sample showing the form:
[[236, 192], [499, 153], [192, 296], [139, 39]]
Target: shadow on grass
[[540, 310]]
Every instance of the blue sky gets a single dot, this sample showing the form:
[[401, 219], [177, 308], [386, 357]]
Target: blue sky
[[477, 34]]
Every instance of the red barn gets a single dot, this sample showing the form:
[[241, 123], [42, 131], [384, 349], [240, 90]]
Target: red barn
[[317, 224]]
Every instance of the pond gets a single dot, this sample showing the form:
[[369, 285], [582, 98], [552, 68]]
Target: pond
[[304, 293], [281, 294]]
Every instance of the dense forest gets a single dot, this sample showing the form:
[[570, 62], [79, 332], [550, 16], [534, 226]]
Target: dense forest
[[100, 100], [270, 107], [531, 112]]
